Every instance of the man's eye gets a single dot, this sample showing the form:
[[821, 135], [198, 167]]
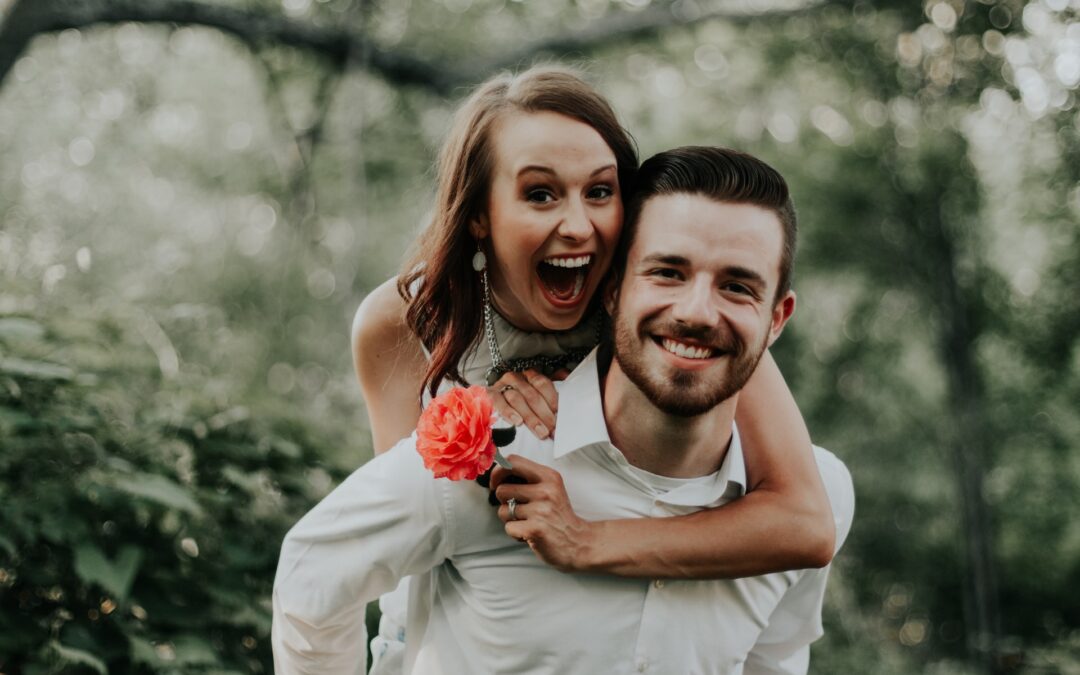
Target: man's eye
[[666, 273], [600, 192], [735, 287], [540, 196]]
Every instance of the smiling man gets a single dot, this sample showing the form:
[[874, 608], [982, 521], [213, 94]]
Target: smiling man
[[701, 289]]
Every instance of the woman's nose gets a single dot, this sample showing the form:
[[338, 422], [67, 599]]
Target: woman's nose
[[576, 225]]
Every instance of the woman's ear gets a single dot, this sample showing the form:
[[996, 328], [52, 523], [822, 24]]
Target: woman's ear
[[479, 227]]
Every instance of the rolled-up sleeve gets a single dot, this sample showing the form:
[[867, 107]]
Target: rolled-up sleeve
[[386, 521]]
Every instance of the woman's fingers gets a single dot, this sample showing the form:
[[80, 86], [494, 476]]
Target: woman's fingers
[[502, 406], [546, 389], [526, 398], [560, 375]]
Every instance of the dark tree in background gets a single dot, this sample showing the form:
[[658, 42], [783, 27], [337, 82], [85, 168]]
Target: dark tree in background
[[197, 193]]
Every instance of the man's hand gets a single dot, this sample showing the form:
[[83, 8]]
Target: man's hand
[[543, 517]]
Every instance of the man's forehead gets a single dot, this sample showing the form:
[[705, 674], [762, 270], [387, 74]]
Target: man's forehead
[[704, 229]]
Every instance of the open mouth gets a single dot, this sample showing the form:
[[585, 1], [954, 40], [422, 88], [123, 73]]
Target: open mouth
[[686, 350], [563, 277]]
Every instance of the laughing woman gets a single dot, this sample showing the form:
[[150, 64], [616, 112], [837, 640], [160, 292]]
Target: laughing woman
[[503, 290]]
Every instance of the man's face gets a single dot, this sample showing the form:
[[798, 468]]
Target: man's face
[[695, 307]]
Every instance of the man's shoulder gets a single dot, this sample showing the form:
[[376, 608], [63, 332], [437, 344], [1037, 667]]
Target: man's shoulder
[[840, 489]]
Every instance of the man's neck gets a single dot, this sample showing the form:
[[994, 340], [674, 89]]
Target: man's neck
[[661, 443]]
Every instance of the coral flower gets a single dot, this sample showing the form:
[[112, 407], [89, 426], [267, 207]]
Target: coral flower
[[454, 434]]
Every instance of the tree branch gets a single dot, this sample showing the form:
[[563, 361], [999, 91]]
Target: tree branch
[[610, 30], [29, 18]]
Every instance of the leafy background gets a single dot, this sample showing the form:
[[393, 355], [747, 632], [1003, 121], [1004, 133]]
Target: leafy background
[[196, 194]]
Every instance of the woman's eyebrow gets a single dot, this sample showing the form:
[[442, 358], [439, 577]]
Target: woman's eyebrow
[[540, 168]]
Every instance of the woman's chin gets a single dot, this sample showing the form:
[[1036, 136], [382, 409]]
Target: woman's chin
[[559, 316]]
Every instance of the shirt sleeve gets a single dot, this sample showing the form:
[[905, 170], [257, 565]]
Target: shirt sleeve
[[783, 648], [386, 521]]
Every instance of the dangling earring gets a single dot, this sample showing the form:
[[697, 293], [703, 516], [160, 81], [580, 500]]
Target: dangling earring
[[479, 260], [498, 366]]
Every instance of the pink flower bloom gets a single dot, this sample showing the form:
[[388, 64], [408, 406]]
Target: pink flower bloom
[[454, 434]]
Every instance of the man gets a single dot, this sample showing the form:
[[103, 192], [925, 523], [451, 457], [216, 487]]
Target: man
[[701, 289]]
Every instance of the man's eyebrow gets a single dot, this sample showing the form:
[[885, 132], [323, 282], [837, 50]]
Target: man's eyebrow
[[734, 271], [745, 274], [540, 168], [672, 259]]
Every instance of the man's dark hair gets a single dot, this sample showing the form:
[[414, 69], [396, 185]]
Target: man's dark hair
[[721, 174]]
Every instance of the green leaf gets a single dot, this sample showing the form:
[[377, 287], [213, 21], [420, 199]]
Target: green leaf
[[115, 576], [286, 447], [38, 370], [12, 420], [14, 328], [142, 651], [159, 489], [79, 657], [192, 650]]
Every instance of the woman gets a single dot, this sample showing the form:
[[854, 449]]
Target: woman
[[528, 213]]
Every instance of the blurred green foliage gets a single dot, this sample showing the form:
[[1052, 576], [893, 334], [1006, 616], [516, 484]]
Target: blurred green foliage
[[142, 518], [189, 221]]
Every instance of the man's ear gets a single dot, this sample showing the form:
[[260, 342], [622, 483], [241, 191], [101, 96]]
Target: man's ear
[[611, 293], [782, 311]]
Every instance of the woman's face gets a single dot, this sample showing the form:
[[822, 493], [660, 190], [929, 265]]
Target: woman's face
[[554, 215]]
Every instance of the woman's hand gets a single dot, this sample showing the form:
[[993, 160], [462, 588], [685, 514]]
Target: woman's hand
[[543, 517], [527, 398]]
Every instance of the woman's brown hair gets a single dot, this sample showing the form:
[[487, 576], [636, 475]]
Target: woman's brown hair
[[442, 291]]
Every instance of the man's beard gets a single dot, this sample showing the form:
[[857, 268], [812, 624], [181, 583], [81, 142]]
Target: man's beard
[[685, 393]]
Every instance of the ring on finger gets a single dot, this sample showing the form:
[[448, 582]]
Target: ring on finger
[[505, 388], [511, 504]]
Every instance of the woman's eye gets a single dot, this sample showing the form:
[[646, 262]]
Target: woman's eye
[[666, 273], [600, 192], [540, 196]]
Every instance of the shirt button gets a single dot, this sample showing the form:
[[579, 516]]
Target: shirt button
[[642, 665], [659, 583]]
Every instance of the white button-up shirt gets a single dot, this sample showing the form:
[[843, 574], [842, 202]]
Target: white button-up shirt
[[490, 606]]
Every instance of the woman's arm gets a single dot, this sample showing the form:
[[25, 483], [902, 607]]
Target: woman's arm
[[389, 364], [784, 522]]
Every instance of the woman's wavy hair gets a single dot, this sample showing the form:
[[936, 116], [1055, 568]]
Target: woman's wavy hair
[[442, 292]]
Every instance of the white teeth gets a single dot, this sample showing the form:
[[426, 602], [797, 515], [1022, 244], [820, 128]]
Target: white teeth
[[580, 261], [686, 351]]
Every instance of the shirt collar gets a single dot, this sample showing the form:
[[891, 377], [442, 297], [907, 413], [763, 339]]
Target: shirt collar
[[581, 424], [580, 420]]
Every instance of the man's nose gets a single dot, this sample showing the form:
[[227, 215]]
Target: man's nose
[[697, 304], [576, 226]]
